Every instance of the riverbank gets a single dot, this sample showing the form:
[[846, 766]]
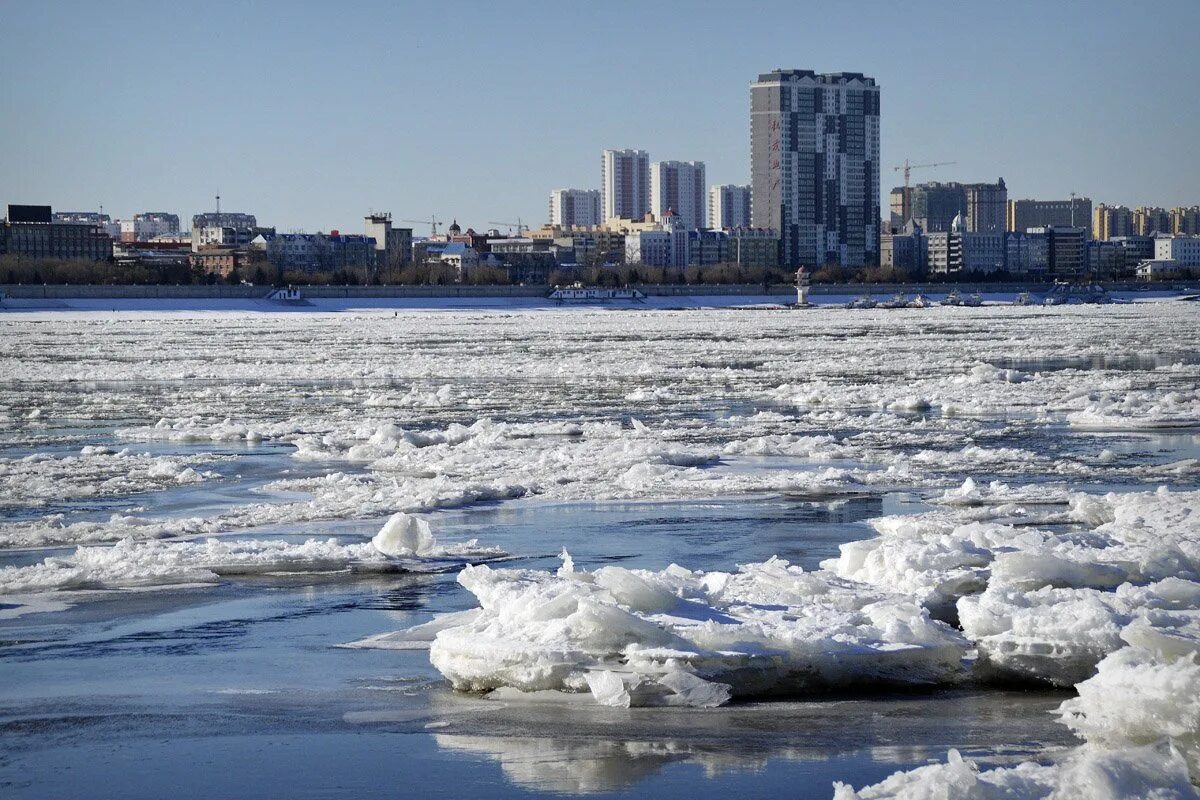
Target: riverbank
[[244, 292]]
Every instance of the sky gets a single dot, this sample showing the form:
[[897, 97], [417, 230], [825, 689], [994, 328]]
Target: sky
[[311, 115]]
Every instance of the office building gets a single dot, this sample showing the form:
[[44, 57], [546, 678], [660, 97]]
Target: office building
[[103, 221], [624, 184], [1072, 213], [754, 248], [1109, 222], [1066, 249], [814, 158], [728, 206], [1137, 248], [31, 231], [960, 250], [678, 186], [575, 207], [1106, 259]]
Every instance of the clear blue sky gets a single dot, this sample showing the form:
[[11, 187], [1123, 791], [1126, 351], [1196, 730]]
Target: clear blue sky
[[310, 115]]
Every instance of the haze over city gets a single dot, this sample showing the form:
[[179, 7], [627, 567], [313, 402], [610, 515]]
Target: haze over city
[[310, 117]]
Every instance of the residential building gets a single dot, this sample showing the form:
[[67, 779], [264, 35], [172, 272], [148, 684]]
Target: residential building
[[393, 246], [575, 207], [30, 231], [728, 206], [1182, 249], [814, 157], [624, 184], [678, 186], [1185, 220], [313, 252], [1026, 214], [99, 219], [1109, 222], [347, 251], [145, 226], [1151, 220]]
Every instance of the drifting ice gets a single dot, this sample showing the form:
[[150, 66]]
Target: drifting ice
[[677, 637]]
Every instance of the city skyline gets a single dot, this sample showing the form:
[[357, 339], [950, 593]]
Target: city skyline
[[289, 121]]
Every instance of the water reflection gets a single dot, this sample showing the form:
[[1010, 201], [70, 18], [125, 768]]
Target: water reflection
[[578, 748]]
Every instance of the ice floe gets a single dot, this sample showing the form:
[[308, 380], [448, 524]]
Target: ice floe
[[404, 544], [678, 637]]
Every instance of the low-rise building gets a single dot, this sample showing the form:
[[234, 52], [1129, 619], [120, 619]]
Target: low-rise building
[[1158, 269], [1184, 250], [218, 260], [754, 248], [662, 243]]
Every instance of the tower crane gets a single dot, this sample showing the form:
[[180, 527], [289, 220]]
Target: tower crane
[[520, 226], [432, 222], [907, 168]]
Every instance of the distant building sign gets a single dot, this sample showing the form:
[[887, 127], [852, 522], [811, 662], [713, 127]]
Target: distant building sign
[[28, 213]]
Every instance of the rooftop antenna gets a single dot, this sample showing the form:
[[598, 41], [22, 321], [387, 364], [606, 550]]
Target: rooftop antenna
[[218, 208], [1072, 209]]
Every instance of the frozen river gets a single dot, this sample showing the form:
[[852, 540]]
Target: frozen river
[[190, 503]]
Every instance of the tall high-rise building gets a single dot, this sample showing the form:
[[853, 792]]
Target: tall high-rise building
[[814, 163], [1185, 220], [1108, 222], [1073, 213], [986, 207], [625, 184], [729, 207], [1149, 220], [577, 207], [678, 186], [934, 205]]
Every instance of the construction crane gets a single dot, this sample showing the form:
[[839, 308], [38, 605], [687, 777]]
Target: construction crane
[[907, 168], [432, 222], [520, 226]]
